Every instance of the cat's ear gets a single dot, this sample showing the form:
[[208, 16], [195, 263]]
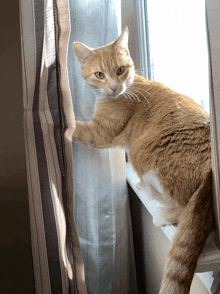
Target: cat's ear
[[82, 51], [122, 41]]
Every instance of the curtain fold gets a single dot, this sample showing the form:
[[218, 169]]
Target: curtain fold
[[48, 127]]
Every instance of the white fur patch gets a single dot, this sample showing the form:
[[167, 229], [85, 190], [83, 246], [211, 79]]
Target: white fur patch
[[151, 179], [154, 190]]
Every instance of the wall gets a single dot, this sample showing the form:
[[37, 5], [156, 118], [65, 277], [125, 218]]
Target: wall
[[151, 245], [15, 245]]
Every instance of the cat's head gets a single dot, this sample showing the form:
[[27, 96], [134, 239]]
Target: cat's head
[[109, 70]]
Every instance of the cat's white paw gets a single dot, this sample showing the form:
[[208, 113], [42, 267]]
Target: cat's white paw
[[138, 186], [159, 221]]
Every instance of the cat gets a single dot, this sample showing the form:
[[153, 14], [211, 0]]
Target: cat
[[167, 137]]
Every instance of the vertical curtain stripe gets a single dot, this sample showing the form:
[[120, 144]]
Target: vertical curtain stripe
[[53, 99], [48, 126], [28, 63], [46, 197], [54, 106]]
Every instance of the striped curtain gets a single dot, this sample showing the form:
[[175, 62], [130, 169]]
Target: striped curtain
[[48, 127]]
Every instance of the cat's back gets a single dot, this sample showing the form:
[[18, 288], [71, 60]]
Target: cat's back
[[174, 140], [161, 106]]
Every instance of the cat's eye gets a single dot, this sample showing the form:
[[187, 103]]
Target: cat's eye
[[99, 75], [120, 70]]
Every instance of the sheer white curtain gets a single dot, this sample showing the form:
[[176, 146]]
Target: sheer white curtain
[[100, 191]]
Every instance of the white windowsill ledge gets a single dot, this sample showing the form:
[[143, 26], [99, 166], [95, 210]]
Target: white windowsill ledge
[[209, 259]]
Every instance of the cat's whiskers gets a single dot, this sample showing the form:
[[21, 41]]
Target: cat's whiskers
[[140, 93], [142, 90], [130, 96], [132, 93], [137, 83], [126, 96]]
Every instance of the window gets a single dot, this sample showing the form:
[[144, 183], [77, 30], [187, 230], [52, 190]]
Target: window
[[176, 46], [178, 55]]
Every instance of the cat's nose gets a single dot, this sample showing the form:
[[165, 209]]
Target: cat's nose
[[114, 88]]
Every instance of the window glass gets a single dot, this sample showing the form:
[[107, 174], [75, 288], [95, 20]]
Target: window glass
[[178, 47]]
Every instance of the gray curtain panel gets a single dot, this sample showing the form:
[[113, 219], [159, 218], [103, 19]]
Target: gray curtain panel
[[48, 127], [213, 37]]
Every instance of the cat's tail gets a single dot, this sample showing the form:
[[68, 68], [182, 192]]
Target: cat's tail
[[193, 229]]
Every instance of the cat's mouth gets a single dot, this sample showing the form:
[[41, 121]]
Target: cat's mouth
[[115, 94], [112, 95]]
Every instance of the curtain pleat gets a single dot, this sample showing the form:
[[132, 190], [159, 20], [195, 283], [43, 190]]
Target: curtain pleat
[[48, 127]]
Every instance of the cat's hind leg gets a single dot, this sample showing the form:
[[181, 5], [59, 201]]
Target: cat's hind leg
[[169, 213]]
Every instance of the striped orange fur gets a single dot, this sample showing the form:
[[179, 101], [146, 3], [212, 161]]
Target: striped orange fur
[[168, 138]]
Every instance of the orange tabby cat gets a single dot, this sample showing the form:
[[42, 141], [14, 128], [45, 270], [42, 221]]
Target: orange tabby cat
[[167, 137]]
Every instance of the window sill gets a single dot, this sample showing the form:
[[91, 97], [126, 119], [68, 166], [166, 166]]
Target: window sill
[[209, 259]]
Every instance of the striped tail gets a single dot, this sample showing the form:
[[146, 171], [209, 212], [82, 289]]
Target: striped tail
[[194, 227]]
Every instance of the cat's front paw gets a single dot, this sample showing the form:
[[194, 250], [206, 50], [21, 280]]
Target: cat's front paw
[[138, 186]]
